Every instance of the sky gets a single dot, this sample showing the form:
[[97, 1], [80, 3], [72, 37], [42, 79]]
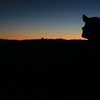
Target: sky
[[35, 19]]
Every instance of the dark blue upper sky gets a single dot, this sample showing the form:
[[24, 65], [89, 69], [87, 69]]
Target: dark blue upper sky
[[45, 18]]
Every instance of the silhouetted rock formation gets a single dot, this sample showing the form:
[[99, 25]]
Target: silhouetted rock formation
[[91, 30]]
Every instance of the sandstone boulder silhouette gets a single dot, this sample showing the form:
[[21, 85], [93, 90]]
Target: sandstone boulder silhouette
[[91, 30]]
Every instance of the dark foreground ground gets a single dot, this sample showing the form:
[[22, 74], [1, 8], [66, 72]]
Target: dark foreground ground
[[43, 69]]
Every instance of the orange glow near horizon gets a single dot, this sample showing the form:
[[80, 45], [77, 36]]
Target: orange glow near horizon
[[39, 36]]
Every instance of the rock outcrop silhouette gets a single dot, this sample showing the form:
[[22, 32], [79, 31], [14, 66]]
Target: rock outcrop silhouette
[[91, 30]]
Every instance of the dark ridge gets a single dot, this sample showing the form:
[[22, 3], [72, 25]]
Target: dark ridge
[[68, 68]]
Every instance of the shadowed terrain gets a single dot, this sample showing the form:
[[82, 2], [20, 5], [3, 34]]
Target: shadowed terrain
[[65, 68]]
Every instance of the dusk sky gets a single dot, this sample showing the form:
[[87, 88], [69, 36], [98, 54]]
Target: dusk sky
[[34, 19]]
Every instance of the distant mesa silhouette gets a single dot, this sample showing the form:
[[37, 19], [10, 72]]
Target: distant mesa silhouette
[[91, 30]]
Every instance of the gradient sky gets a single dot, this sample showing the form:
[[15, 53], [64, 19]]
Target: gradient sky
[[32, 19]]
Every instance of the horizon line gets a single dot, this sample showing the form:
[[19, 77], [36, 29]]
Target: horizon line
[[43, 39]]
